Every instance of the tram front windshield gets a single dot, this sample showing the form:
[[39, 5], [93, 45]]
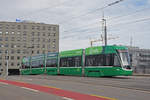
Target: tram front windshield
[[124, 56]]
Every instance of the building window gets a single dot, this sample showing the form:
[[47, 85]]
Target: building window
[[38, 46], [18, 57], [1, 39], [6, 38], [49, 28], [18, 51], [6, 51], [1, 32], [43, 34], [43, 39], [49, 34], [24, 39], [6, 57], [18, 39], [43, 46], [32, 33], [48, 46], [1, 45], [12, 32], [43, 27], [33, 27], [18, 45], [54, 34], [38, 28], [12, 64], [13, 27], [18, 32], [18, 26], [5, 63], [24, 26], [18, 64], [12, 57], [54, 28], [12, 38], [38, 34], [6, 45], [24, 51], [32, 52], [38, 52], [12, 45], [49, 40], [24, 33], [38, 40], [7, 26], [54, 46], [24, 45], [12, 51], [54, 40], [0, 57], [6, 32], [1, 51]]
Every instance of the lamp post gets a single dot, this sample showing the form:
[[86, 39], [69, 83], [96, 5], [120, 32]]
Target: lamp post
[[104, 26]]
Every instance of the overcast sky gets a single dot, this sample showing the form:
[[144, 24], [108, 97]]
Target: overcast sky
[[80, 20]]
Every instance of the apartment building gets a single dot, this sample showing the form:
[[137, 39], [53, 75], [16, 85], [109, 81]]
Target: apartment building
[[21, 39]]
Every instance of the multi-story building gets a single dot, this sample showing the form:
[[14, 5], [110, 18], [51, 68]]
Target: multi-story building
[[140, 59], [21, 39]]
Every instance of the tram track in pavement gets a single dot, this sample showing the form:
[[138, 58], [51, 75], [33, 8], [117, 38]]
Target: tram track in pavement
[[117, 83]]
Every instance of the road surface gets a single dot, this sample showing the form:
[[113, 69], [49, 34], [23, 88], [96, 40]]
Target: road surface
[[120, 88]]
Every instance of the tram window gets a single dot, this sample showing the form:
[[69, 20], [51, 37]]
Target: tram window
[[34, 64], [41, 63], [26, 65], [99, 60], [94, 60], [116, 61], [109, 59], [70, 61], [51, 63], [37, 64]]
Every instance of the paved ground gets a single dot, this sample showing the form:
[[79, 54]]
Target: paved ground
[[10, 92], [121, 88]]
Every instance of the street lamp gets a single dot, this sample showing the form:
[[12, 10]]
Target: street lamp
[[104, 20]]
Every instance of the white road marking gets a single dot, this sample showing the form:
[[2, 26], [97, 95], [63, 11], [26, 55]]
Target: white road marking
[[65, 98], [30, 89], [4, 83]]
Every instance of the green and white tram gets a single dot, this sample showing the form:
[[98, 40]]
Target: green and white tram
[[91, 62]]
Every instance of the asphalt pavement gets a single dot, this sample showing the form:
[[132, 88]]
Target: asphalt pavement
[[121, 88]]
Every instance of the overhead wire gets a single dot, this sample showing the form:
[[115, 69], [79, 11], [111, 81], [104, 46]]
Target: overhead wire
[[113, 18], [92, 11], [130, 22], [43, 9]]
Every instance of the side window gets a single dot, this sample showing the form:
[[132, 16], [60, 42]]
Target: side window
[[109, 59], [116, 61], [64, 62], [94, 60], [51, 63], [70, 61], [34, 64], [26, 65], [41, 63]]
